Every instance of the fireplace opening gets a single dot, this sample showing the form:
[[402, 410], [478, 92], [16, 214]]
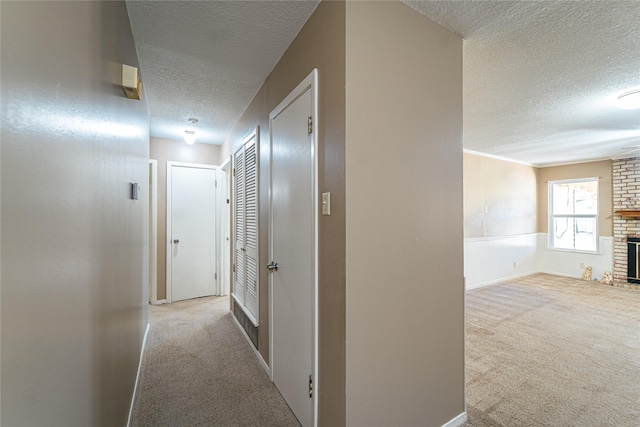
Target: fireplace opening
[[633, 259]]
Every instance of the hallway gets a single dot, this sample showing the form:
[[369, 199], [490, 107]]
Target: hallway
[[198, 370]]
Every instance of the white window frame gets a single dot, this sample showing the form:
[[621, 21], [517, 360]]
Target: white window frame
[[551, 216]]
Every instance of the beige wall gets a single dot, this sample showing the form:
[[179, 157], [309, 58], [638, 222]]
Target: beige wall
[[320, 44], [166, 150], [405, 330], [602, 169], [74, 244], [499, 197]]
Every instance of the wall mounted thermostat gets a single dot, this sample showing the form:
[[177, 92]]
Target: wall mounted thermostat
[[135, 191]]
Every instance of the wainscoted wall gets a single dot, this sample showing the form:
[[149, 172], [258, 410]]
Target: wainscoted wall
[[494, 259], [564, 263]]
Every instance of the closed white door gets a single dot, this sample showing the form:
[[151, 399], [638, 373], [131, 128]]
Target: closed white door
[[245, 166], [292, 240], [192, 237]]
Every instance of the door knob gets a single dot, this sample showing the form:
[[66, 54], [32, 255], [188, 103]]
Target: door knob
[[176, 241], [273, 266]]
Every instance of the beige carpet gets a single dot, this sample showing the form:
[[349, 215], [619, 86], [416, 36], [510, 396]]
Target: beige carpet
[[551, 351], [198, 370], [541, 351]]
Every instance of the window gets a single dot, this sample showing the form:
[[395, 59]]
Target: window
[[573, 215]]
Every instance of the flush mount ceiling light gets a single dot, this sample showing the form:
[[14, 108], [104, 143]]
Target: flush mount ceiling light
[[193, 121], [629, 100], [189, 137]]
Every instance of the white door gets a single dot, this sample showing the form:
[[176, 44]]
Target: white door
[[292, 244], [192, 232], [245, 187]]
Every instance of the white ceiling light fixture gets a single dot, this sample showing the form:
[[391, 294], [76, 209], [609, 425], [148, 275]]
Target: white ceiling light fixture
[[629, 100], [189, 137]]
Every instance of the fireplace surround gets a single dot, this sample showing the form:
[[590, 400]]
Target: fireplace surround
[[626, 224], [633, 260]]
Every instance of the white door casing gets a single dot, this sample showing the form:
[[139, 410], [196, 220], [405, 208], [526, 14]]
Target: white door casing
[[153, 231], [293, 246], [191, 231], [224, 210]]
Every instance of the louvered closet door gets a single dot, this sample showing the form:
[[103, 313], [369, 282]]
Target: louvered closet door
[[245, 184], [251, 230], [239, 225]]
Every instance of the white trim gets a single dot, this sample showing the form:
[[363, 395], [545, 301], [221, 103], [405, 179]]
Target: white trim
[[161, 301], [493, 156], [500, 280], [543, 165], [224, 282], [153, 232], [253, 347], [457, 421], [490, 238], [551, 216], [309, 83], [575, 162], [560, 274], [168, 207], [135, 386]]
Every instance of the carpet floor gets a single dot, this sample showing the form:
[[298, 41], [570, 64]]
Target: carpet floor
[[540, 351], [552, 351], [199, 370]]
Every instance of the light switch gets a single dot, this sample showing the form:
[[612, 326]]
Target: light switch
[[326, 203]]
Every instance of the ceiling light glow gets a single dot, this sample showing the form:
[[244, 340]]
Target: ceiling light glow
[[629, 100], [189, 137]]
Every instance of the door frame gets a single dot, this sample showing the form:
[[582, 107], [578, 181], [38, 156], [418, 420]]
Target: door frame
[[224, 211], [309, 83], [168, 229], [153, 232]]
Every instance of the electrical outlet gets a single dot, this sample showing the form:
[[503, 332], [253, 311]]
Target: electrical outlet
[[582, 265]]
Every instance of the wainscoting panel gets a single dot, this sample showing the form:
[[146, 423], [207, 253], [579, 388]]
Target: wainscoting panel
[[564, 263], [493, 259]]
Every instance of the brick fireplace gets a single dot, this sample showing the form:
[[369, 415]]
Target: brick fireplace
[[626, 197]]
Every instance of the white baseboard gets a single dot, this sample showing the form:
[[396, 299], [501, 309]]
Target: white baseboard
[[253, 347], [160, 301], [557, 273], [135, 387], [500, 280], [457, 421]]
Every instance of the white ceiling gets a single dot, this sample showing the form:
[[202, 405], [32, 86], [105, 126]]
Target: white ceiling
[[540, 77], [207, 59]]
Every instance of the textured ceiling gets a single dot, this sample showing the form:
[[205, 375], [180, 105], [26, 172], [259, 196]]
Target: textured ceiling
[[541, 77], [207, 59]]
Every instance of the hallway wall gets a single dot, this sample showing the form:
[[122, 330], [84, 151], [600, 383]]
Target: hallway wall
[[74, 244], [404, 228], [320, 44], [166, 150]]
